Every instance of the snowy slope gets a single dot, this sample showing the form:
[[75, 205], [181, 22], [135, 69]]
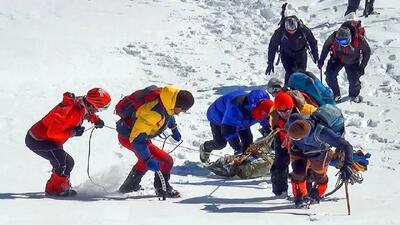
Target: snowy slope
[[207, 46]]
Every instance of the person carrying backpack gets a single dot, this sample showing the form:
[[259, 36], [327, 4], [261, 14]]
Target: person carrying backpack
[[231, 117], [146, 114], [309, 143], [47, 137], [292, 39], [285, 103], [353, 5], [349, 49]]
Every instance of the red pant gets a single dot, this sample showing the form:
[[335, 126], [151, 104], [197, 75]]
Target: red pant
[[165, 160]]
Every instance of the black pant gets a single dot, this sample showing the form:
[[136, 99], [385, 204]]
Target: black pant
[[61, 161], [352, 6], [293, 64], [219, 141], [332, 71], [280, 168]]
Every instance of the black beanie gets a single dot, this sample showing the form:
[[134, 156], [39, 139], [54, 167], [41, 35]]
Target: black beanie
[[184, 100]]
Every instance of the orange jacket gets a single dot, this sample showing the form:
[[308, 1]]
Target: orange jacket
[[58, 124]]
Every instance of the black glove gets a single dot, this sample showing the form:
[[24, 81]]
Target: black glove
[[361, 70], [320, 64], [99, 123], [78, 131], [346, 172], [269, 69]]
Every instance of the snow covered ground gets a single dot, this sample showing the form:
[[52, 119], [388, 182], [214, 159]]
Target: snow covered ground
[[207, 46]]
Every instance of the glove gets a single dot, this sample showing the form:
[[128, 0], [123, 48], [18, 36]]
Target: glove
[[361, 71], [320, 64], [270, 68], [78, 131], [176, 135], [346, 172], [153, 165], [99, 123]]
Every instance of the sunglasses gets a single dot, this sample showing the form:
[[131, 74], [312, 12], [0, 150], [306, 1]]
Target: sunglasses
[[343, 41], [284, 110]]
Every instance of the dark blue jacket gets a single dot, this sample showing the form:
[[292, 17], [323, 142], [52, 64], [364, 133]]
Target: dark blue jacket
[[320, 139], [233, 111]]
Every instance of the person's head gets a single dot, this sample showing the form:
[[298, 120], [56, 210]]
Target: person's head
[[274, 85], [343, 36], [299, 129], [291, 24], [184, 101], [96, 100], [283, 104], [262, 109]]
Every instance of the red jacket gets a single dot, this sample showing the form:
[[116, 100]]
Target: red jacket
[[58, 124]]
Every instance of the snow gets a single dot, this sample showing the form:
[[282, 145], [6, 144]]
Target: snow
[[209, 47]]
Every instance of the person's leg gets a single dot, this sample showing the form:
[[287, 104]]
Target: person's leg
[[332, 71], [246, 139], [352, 6], [217, 143], [289, 64], [354, 80], [319, 168], [298, 182], [279, 169]]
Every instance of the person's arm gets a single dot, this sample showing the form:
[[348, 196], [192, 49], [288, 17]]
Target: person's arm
[[330, 137], [366, 52], [326, 48], [273, 46], [313, 43]]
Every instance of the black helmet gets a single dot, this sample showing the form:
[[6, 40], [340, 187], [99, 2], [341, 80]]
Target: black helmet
[[343, 36], [274, 85], [291, 23]]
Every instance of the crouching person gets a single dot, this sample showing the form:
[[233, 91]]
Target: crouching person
[[310, 142], [47, 137], [144, 115]]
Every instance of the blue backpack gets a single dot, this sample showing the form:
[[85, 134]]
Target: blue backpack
[[330, 116], [311, 85]]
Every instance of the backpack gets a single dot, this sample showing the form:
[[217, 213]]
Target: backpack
[[309, 84], [357, 33], [127, 106], [330, 116]]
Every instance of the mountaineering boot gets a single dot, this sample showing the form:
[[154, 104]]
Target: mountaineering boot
[[170, 191], [132, 182], [59, 186], [204, 156], [356, 99], [301, 199], [317, 193]]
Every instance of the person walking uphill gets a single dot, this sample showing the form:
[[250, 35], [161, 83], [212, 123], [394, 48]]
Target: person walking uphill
[[292, 39], [231, 117], [146, 114], [349, 49], [309, 143], [46, 137]]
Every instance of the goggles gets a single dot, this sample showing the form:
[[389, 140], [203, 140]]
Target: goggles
[[284, 110], [343, 41]]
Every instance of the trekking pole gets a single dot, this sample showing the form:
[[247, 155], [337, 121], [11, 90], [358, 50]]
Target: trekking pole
[[320, 75], [346, 184], [163, 185]]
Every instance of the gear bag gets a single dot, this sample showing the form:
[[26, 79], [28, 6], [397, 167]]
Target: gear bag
[[312, 86], [127, 106], [330, 116]]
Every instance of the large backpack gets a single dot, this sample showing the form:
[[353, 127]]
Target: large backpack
[[127, 106], [330, 116], [312, 86]]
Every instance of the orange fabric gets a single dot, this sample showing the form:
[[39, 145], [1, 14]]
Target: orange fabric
[[322, 189], [57, 125], [57, 184], [299, 188]]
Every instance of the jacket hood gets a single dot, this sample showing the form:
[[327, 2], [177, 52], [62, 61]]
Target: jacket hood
[[168, 96], [255, 97]]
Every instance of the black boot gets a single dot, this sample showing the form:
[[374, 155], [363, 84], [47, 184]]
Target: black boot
[[132, 182], [170, 193]]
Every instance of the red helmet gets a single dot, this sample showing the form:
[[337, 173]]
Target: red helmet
[[98, 98]]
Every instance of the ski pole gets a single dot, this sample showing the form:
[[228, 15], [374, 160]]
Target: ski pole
[[163, 185], [320, 75], [346, 184]]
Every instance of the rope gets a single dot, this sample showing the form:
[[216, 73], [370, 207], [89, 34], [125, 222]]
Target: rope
[[88, 162]]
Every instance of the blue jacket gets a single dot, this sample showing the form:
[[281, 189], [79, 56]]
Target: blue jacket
[[320, 139], [233, 110]]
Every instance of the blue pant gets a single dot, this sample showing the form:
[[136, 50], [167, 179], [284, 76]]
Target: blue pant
[[352, 6], [61, 161], [332, 70]]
